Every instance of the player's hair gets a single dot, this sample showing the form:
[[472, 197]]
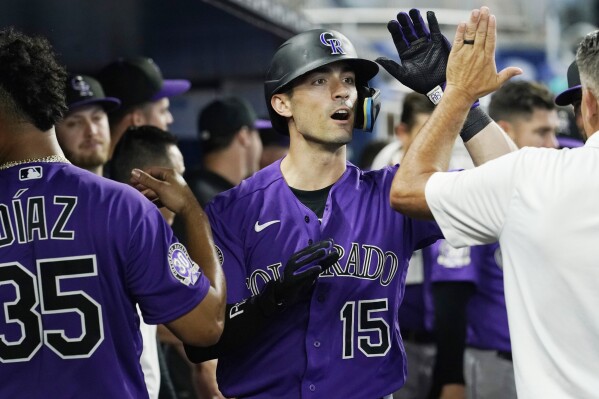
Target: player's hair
[[587, 59], [519, 98], [140, 147], [32, 83], [414, 104]]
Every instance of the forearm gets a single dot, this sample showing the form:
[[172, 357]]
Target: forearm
[[489, 143], [243, 321], [429, 153]]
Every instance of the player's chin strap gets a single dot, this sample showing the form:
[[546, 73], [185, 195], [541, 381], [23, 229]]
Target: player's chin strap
[[369, 106]]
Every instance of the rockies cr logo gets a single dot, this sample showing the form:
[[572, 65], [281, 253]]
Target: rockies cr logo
[[84, 89], [334, 44]]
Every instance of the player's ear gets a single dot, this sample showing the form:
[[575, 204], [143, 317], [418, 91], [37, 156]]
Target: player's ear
[[401, 131], [508, 128], [243, 135], [138, 117], [281, 104], [590, 102]]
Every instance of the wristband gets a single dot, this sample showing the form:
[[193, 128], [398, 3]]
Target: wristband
[[437, 92], [435, 95], [476, 121]]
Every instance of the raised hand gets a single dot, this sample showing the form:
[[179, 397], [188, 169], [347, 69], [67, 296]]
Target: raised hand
[[471, 67], [164, 187], [423, 53]]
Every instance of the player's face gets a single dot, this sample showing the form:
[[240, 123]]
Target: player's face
[[84, 136], [157, 114], [536, 130], [175, 162], [323, 105]]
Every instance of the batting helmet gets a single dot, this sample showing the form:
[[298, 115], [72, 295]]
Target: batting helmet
[[313, 49]]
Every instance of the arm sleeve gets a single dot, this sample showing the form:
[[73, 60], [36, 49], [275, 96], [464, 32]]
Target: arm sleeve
[[243, 321], [451, 300], [471, 206]]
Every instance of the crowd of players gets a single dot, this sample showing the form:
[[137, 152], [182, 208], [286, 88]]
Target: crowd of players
[[288, 277]]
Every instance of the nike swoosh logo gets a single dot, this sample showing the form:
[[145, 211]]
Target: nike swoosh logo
[[259, 227]]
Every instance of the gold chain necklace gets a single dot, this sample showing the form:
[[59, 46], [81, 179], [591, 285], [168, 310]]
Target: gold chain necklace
[[51, 158]]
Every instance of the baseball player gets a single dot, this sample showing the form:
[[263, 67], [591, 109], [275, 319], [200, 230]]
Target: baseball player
[[340, 338], [78, 252]]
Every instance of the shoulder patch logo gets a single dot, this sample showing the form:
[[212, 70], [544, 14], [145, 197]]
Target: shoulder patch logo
[[182, 267], [221, 257], [30, 173]]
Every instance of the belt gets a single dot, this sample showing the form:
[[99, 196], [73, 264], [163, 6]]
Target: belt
[[505, 355], [418, 337]]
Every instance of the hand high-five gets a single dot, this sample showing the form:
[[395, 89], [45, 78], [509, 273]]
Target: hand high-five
[[471, 67]]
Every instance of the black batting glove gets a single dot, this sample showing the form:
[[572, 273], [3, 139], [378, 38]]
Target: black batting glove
[[423, 53], [298, 277]]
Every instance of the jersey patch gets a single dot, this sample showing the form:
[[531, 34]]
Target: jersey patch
[[182, 267], [30, 173]]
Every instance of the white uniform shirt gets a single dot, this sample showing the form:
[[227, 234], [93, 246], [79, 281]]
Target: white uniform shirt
[[149, 357], [543, 207]]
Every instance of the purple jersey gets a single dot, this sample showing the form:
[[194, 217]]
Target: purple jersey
[[487, 313], [77, 252], [345, 341]]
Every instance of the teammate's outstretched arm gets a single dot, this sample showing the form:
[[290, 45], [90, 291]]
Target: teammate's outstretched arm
[[424, 54], [244, 320], [204, 324], [471, 74]]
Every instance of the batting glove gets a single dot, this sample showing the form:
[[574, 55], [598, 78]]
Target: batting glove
[[423, 53], [299, 275]]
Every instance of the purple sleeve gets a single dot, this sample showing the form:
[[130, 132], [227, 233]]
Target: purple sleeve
[[161, 275], [230, 250]]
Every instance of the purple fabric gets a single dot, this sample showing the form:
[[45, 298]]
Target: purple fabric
[[487, 313], [172, 88], [304, 352], [108, 248], [569, 142]]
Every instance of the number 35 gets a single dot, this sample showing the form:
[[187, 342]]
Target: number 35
[[29, 289]]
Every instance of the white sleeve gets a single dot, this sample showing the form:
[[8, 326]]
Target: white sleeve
[[471, 206]]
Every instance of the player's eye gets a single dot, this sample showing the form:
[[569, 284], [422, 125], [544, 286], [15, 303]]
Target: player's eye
[[72, 124], [319, 81]]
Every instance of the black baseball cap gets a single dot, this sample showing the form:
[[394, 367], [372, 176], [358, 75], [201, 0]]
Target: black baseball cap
[[574, 91], [224, 117], [82, 90], [138, 80]]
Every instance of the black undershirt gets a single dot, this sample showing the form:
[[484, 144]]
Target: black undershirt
[[315, 200]]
